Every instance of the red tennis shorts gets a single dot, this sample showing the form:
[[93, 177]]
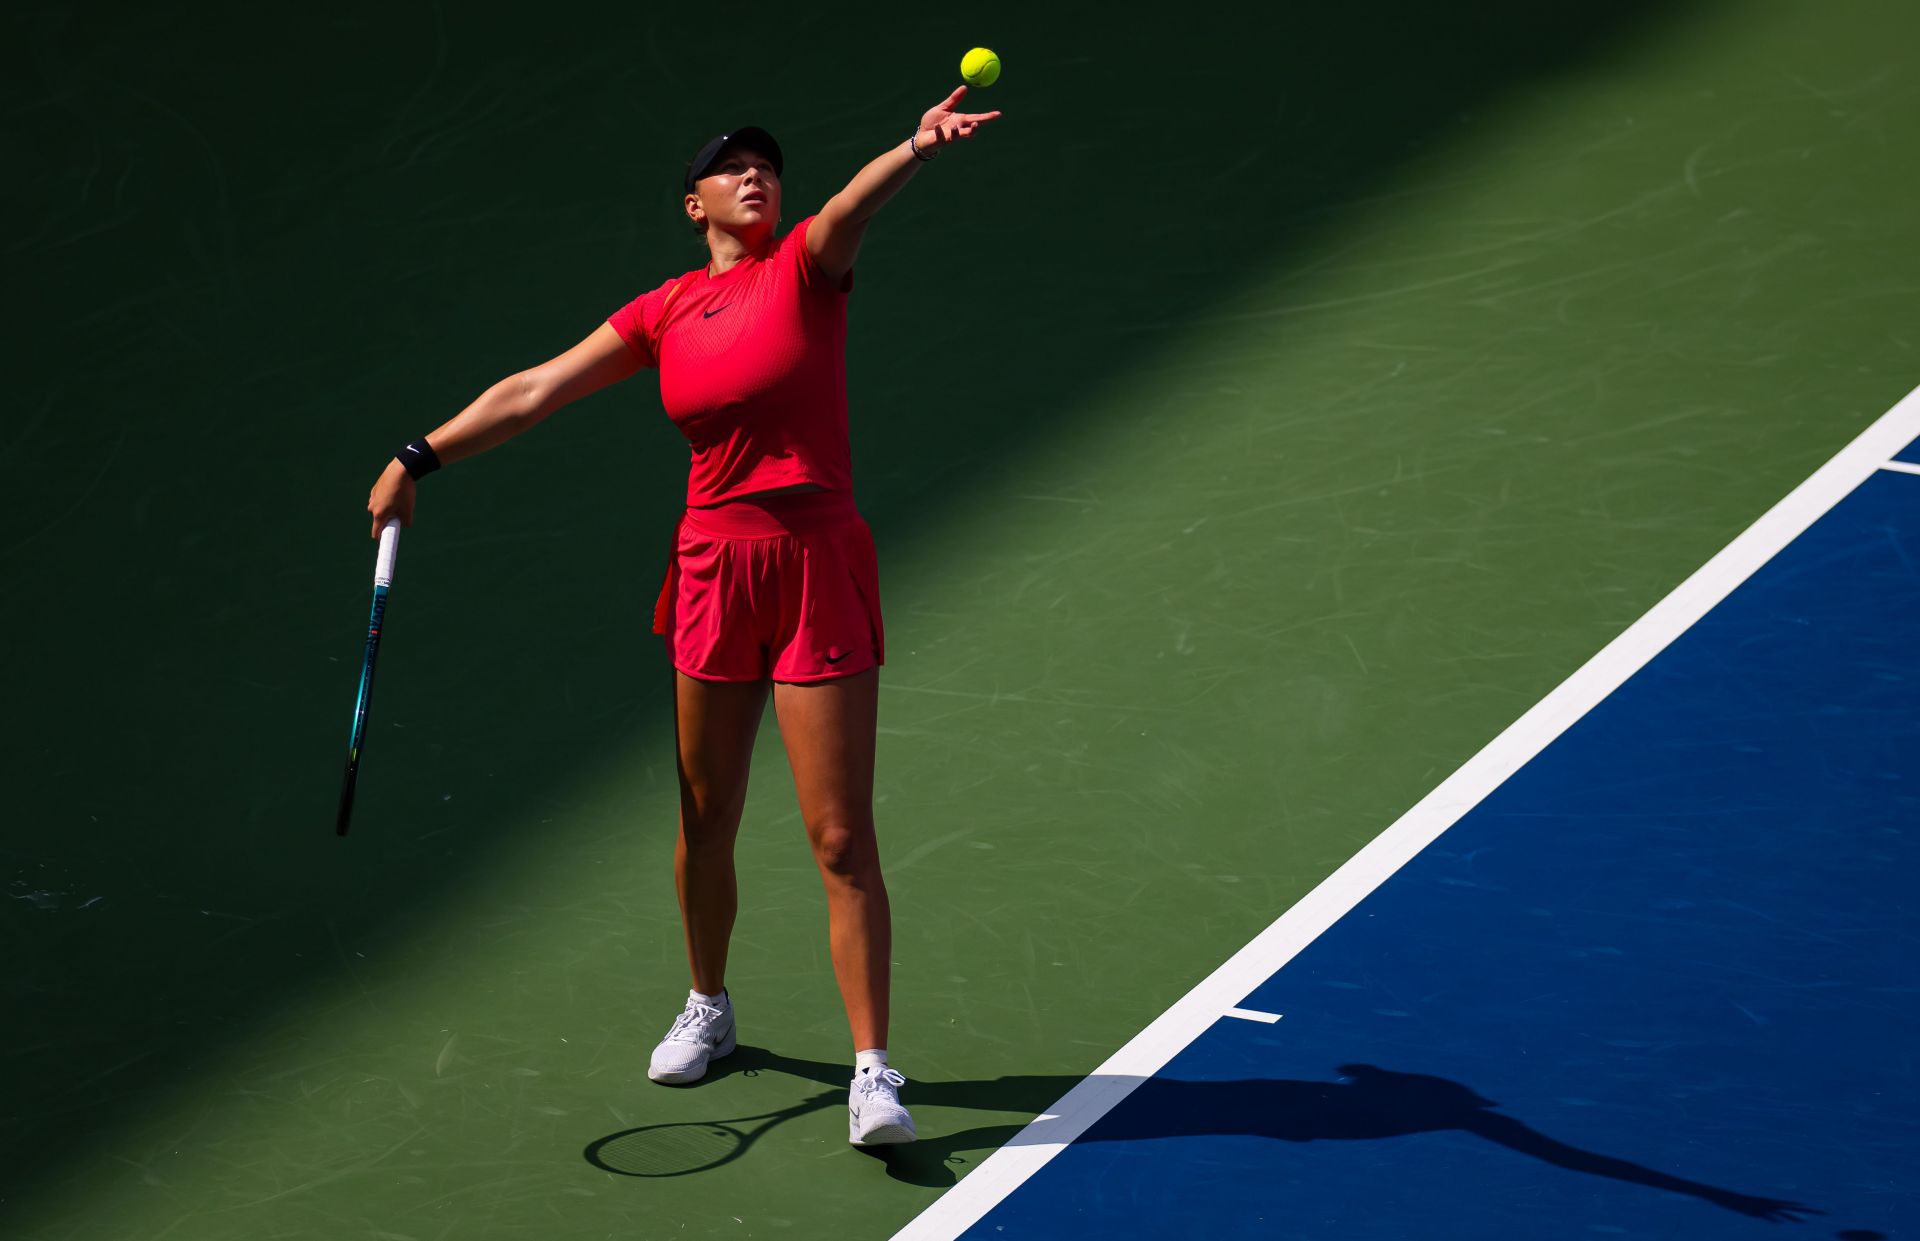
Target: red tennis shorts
[[786, 587]]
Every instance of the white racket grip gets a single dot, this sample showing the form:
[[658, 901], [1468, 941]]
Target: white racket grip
[[389, 552]]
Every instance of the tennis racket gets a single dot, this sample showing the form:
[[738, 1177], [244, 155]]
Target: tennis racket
[[689, 1146], [382, 580]]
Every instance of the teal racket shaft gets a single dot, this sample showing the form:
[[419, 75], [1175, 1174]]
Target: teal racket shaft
[[382, 582]]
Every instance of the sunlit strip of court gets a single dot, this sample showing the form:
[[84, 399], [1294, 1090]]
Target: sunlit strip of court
[[1030, 1150]]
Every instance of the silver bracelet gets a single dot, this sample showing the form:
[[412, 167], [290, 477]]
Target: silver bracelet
[[915, 148]]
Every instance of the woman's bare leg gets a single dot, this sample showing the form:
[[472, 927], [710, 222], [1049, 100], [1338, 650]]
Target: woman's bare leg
[[714, 726], [828, 728]]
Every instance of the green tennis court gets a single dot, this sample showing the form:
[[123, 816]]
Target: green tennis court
[[1262, 416]]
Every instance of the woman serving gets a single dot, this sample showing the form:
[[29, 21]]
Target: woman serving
[[773, 581]]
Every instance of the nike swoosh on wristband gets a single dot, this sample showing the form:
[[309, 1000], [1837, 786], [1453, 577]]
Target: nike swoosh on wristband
[[711, 313]]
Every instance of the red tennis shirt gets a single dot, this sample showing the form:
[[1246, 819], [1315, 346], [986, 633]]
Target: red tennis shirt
[[753, 370]]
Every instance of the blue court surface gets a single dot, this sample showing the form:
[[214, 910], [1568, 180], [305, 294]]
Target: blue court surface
[[1660, 982]]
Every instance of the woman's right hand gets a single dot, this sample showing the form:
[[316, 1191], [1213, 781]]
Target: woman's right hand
[[392, 496]]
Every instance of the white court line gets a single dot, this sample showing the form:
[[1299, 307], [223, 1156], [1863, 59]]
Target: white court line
[[1903, 466], [1030, 1149], [1249, 1014]]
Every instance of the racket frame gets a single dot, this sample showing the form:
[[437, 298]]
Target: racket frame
[[376, 620]]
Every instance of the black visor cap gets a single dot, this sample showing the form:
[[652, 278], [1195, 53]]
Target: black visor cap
[[751, 137]]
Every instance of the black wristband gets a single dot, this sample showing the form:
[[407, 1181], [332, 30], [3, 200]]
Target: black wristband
[[913, 145], [418, 459]]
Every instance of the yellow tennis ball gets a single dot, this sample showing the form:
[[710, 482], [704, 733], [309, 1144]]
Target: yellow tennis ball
[[980, 67]]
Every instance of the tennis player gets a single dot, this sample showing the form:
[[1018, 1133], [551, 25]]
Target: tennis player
[[772, 584]]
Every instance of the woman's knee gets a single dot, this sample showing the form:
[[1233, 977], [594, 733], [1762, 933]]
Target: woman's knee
[[843, 845], [708, 830]]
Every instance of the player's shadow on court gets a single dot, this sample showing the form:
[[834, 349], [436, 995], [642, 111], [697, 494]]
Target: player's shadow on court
[[1365, 1103]]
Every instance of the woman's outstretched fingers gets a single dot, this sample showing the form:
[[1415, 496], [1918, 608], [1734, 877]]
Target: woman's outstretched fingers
[[970, 123]]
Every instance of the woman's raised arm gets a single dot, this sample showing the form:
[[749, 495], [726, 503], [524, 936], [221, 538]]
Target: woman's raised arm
[[835, 235]]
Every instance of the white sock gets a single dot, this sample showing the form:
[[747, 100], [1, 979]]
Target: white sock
[[711, 1001], [873, 1059]]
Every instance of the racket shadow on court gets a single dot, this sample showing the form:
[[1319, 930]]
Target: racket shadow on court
[[682, 1148], [1364, 1103]]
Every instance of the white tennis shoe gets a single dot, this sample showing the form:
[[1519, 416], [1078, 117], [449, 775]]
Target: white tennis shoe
[[875, 1116], [700, 1033]]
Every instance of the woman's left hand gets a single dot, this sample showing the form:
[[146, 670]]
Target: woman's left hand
[[942, 126]]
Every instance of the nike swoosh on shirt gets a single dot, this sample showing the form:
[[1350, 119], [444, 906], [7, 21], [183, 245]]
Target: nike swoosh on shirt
[[711, 313]]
